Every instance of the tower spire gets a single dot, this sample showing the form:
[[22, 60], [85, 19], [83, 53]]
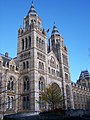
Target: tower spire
[[32, 10], [55, 30]]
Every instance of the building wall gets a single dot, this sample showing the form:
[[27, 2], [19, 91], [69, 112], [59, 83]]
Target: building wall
[[81, 97], [38, 67], [8, 87]]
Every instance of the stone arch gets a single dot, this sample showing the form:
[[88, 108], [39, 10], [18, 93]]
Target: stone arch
[[58, 92], [68, 96], [56, 86]]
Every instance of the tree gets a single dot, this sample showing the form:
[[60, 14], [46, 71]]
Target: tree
[[52, 96]]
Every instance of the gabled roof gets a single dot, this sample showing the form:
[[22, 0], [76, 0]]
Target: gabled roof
[[51, 53]]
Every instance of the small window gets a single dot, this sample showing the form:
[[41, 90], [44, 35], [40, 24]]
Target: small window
[[41, 84], [49, 69], [12, 84], [8, 86], [0, 63], [26, 102], [26, 41], [22, 44], [26, 85], [27, 64], [57, 66], [23, 65], [29, 42], [12, 68]]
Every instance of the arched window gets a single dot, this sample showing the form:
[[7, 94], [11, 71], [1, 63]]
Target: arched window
[[26, 41], [41, 65], [52, 62], [66, 77], [9, 103], [26, 101], [22, 44], [8, 86], [29, 42], [27, 63], [41, 103], [74, 96], [23, 65], [11, 83], [0, 63], [49, 69], [26, 84], [10, 67], [8, 64], [37, 42], [41, 84], [40, 44]]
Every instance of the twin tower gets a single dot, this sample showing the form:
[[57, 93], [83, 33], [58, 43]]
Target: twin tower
[[41, 63]]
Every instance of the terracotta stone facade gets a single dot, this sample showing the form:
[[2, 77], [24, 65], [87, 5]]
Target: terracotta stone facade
[[38, 64]]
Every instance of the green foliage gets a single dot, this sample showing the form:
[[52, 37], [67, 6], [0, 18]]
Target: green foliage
[[52, 96]]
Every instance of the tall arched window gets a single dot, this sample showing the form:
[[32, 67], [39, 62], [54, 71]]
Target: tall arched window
[[66, 77], [9, 103], [22, 44], [41, 103], [43, 45], [11, 83], [39, 65], [41, 84], [40, 44], [37, 42], [27, 64], [26, 102], [8, 86], [42, 66], [29, 42], [26, 85], [0, 63], [26, 41], [23, 65]]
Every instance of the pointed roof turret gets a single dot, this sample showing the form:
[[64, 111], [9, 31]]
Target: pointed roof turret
[[85, 74], [55, 30], [32, 10]]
